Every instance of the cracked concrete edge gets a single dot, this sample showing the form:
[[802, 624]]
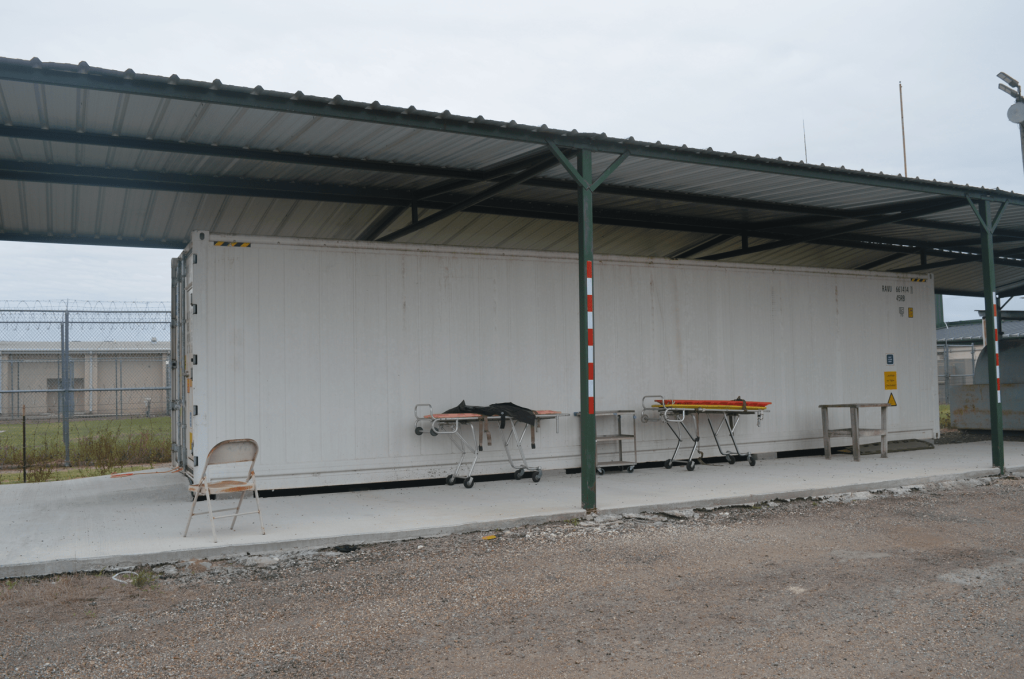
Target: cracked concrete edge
[[807, 493], [43, 568], [128, 561]]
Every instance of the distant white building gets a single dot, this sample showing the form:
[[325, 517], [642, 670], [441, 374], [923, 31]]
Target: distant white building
[[115, 378]]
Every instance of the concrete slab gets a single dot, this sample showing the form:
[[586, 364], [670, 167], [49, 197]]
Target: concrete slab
[[91, 524]]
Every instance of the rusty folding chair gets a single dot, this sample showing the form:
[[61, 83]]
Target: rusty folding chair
[[227, 452]]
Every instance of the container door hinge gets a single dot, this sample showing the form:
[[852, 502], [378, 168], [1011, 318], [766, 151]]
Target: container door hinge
[[175, 448], [174, 364], [195, 359], [176, 404]]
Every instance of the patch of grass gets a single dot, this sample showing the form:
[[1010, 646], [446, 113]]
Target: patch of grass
[[97, 447], [43, 429], [145, 578], [41, 472]]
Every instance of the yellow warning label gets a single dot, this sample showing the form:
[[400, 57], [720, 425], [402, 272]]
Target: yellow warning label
[[892, 399], [910, 312], [890, 380]]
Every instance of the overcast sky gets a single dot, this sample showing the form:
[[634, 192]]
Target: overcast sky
[[743, 76]]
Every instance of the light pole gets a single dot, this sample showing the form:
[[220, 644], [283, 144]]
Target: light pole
[[1016, 110]]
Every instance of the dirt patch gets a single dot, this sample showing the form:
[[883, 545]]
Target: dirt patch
[[916, 583]]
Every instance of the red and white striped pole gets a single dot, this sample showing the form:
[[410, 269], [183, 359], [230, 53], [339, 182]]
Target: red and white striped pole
[[995, 344], [988, 274], [590, 333], [585, 283]]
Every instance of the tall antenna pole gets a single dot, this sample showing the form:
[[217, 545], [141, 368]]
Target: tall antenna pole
[[904, 130], [805, 140]]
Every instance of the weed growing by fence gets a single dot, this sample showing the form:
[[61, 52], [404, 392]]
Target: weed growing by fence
[[97, 447]]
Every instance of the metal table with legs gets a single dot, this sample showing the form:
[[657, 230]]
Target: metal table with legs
[[855, 431]]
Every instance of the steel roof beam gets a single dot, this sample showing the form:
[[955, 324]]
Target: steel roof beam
[[159, 181], [167, 181], [883, 260], [380, 224], [41, 172], [559, 212], [700, 247], [461, 177], [66, 239], [939, 205], [233, 152], [130, 83], [493, 173], [933, 265], [462, 205]]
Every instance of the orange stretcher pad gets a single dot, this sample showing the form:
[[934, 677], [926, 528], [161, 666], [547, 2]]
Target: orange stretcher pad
[[712, 405]]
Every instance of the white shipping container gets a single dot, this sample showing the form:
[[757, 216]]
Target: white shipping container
[[319, 350]]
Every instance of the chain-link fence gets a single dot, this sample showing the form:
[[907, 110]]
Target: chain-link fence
[[91, 381], [956, 366]]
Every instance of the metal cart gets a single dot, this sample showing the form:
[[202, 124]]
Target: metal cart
[[673, 412], [618, 457]]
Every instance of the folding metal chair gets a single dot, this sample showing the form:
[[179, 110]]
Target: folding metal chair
[[227, 452]]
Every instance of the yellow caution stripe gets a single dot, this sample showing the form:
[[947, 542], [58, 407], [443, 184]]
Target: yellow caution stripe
[[231, 244], [918, 280]]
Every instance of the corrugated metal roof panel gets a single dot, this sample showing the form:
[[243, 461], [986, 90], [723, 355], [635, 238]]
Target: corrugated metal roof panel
[[113, 157], [972, 331]]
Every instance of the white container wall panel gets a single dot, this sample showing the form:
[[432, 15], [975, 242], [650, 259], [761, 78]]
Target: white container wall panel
[[320, 350]]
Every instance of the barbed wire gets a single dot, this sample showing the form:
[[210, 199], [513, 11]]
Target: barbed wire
[[83, 305], [88, 321]]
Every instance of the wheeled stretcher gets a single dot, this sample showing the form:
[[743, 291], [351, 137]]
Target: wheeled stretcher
[[674, 414], [479, 427]]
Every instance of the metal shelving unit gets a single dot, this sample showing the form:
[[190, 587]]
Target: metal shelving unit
[[618, 438]]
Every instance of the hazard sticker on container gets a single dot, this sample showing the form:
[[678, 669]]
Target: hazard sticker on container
[[890, 380], [892, 399]]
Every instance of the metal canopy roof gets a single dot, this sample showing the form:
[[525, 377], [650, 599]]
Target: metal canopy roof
[[89, 155]]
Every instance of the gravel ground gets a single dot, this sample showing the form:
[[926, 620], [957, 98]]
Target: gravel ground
[[911, 582]]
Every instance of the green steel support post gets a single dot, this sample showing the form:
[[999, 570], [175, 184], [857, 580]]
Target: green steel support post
[[988, 272], [583, 174], [588, 424]]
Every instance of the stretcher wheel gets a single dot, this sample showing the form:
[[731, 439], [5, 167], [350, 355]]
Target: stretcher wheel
[[600, 471], [433, 433], [536, 476], [751, 459], [629, 469], [690, 465], [730, 459], [450, 480], [468, 483], [644, 419], [419, 431], [668, 464], [520, 473]]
